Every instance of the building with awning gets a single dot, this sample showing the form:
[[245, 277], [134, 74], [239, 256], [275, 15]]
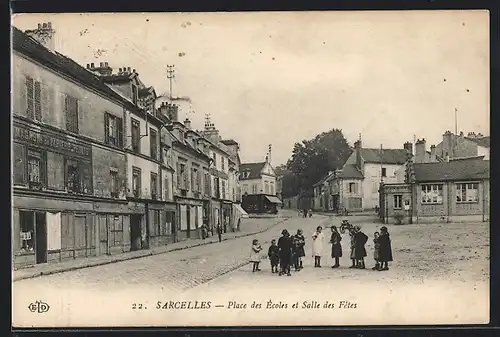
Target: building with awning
[[273, 199], [238, 215]]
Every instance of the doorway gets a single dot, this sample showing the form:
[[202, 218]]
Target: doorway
[[34, 234], [135, 232], [188, 219]]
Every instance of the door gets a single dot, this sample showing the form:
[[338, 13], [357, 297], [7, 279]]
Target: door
[[188, 219], [40, 237], [135, 232], [103, 235]]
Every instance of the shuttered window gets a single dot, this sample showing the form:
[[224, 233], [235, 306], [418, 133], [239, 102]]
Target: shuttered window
[[154, 186], [71, 111], [33, 99], [113, 130]]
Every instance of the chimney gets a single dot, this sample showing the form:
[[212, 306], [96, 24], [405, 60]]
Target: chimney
[[448, 144], [408, 146], [187, 123], [44, 34], [433, 154], [420, 151], [128, 69], [104, 69], [357, 148]]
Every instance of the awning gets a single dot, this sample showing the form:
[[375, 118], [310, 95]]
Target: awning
[[273, 200], [240, 210]]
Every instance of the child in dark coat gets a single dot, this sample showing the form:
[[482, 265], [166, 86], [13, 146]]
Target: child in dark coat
[[273, 254], [385, 249], [376, 249]]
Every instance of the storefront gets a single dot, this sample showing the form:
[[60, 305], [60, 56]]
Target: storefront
[[112, 221], [190, 218], [227, 212], [161, 219]]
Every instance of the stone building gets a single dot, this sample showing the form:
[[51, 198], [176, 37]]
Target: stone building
[[69, 172]]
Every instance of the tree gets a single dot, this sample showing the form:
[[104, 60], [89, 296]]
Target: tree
[[312, 160]]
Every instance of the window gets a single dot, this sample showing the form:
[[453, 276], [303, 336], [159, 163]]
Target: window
[[154, 186], [207, 183], [398, 201], [156, 224], [136, 181], [254, 188], [223, 189], [136, 136], [33, 99], [222, 163], [193, 179], [134, 94], [384, 172], [73, 176], [353, 188], [467, 192], [198, 181], [181, 172], [71, 111], [266, 187], [35, 163], [113, 130], [214, 156], [153, 143], [27, 229], [432, 194], [114, 184]]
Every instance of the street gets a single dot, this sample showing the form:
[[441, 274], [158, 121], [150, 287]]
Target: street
[[437, 267]]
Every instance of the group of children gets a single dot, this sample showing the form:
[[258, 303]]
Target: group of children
[[290, 250]]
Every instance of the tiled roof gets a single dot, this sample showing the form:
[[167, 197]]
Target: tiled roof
[[229, 142], [28, 46], [453, 171], [350, 171], [254, 168], [484, 142], [387, 156], [118, 77]]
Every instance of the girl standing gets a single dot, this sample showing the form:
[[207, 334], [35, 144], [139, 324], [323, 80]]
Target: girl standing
[[255, 254], [300, 242], [376, 246], [360, 240], [317, 248], [385, 249], [336, 246]]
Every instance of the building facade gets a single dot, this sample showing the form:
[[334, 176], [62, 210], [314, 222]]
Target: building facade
[[69, 178], [461, 146], [258, 187], [452, 191]]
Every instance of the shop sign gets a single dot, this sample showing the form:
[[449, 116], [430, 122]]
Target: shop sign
[[50, 141]]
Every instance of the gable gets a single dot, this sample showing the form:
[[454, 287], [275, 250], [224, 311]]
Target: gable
[[268, 170], [251, 170]]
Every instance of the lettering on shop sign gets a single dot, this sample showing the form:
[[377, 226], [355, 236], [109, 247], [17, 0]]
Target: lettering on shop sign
[[50, 141]]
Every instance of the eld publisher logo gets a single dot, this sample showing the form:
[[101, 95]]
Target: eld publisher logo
[[39, 307]]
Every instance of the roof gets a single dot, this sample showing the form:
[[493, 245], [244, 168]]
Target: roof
[[119, 77], [229, 142], [254, 168], [484, 141], [388, 156], [456, 170], [28, 46], [350, 171]]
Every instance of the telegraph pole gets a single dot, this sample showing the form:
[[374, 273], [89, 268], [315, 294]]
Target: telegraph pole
[[170, 76]]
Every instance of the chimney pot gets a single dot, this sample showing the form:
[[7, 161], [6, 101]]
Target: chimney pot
[[106, 64], [49, 24], [128, 69], [101, 64], [44, 25], [88, 66], [119, 70], [92, 65], [39, 26], [133, 71]]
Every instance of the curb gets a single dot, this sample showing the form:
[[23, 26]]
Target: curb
[[14, 279]]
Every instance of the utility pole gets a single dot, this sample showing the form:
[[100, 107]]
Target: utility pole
[[170, 76], [456, 133]]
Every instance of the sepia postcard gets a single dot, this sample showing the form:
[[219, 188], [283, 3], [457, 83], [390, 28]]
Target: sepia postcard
[[250, 169]]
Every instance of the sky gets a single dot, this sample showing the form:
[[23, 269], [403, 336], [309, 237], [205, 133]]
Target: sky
[[283, 77]]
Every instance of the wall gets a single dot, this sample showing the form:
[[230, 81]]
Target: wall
[[146, 166], [181, 156], [144, 140], [103, 159], [389, 210], [246, 186], [371, 183], [91, 106], [167, 192], [483, 151], [351, 200]]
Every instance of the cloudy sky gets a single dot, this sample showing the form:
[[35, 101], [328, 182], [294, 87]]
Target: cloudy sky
[[279, 78]]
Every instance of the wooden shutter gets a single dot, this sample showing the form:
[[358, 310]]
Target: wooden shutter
[[106, 128], [67, 112], [46, 100], [85, 169], [29, 97], [193, 177], [119, 131], [19, 163], [38, 101], [178, 174]]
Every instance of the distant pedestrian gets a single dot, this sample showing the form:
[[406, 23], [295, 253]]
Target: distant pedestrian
[[273, 254], [310, 213], [219, 231], [360, 240], [336, 246], [300, 242], [304, 212], [299, 213], [255, 255], [204, 231], [385, 249], [285, 252], [376, 249], [352, 254], [317, 246]]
